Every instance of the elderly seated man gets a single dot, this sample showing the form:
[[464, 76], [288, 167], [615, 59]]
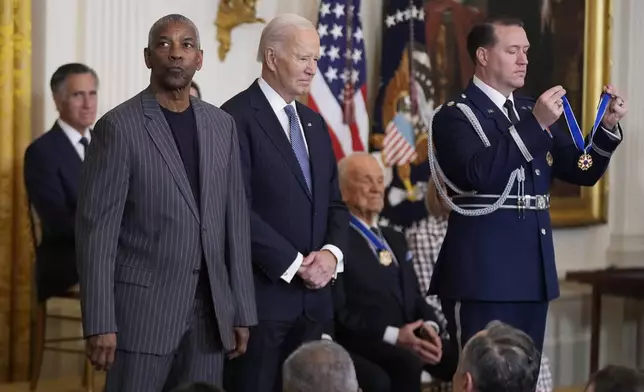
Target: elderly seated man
[[319, 366], [381, 314], [500, 358]]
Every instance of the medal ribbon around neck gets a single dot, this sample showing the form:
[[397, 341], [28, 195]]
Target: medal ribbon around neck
[[585, 160], [377, 243]]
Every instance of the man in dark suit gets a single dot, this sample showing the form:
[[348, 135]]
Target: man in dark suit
[[381, 315], [52, 167], [298, 220], [162, 230], [493, 145]]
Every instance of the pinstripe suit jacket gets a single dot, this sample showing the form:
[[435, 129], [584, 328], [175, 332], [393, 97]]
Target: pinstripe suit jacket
[[140, 236]]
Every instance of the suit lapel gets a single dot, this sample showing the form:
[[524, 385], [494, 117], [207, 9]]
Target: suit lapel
[[206, 155], [270, 124], [70, 161], [373, 264], [161, 135], [403, 268], [487, 107]]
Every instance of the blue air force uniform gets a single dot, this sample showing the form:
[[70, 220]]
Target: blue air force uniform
[[501, 266]]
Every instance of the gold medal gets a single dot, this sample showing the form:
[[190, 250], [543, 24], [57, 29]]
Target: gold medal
[[385, 257], [585, 162], [549, 159]]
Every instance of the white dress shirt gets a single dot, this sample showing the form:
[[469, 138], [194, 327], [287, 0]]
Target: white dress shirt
[[75, 137], [499, 100], [278, 104], [391, 333]]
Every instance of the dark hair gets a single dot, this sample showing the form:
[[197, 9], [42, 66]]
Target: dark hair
[[613, 378], [482, 34], [194, 85], [64, 71], [198, 387], [500, 359]]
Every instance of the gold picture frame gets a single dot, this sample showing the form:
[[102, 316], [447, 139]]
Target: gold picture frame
[[590, 206]]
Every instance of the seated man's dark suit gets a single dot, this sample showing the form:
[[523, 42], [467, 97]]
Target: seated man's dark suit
[[52, 169], [371, 297]]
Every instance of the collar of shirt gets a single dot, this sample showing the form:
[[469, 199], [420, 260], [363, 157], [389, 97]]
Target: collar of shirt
[[373, 224], [277, 104], [274, 99], [72, 134], [494, 95]]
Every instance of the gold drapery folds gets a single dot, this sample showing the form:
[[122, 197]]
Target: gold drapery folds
[[16, 250]]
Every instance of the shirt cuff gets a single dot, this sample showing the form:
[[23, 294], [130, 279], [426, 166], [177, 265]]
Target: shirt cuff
[[391, 335], [292, 270], [613, 133], [433, 325], [337, 253]]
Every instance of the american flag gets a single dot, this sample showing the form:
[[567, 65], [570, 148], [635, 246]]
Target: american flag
[[398, 146], [339, 91]]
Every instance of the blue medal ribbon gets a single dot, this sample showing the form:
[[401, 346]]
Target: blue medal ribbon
[[377, 243], [573, 125]]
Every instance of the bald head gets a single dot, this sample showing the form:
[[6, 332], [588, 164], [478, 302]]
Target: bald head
[[362, 183]]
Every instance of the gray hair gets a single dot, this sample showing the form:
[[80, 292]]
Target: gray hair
[[278, 30], [168, 19], [502, 358], [319, 366], [59, 78]]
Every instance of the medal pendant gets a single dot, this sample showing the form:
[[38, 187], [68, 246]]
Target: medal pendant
[[585, 162], [385, 257]]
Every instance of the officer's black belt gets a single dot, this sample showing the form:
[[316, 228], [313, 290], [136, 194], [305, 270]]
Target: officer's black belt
[[513, 202]]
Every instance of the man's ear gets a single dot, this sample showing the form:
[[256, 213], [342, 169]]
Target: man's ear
[[200, 60], [468, 384], [270, 57], [482, 56], [146, 57]]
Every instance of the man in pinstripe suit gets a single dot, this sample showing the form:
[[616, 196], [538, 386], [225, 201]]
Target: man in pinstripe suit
[[162, 233]]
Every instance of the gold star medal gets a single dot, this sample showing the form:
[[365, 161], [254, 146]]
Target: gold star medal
[[585, 162], [549, 159], [385, 257]]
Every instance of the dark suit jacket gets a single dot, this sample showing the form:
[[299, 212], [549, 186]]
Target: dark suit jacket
[[52, 168], [285, 217], [365, 300], [504, 256], [141, 238]]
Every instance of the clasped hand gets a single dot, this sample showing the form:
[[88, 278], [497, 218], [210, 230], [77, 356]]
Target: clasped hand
[[317, 269], [428, 349]]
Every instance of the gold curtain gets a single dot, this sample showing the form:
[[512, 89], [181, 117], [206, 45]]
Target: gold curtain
[[16, 252]]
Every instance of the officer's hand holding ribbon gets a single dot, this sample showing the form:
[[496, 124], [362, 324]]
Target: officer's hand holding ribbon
[[549, 106], [617, 108]]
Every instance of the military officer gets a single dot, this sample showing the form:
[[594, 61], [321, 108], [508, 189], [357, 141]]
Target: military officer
[[499, 153]]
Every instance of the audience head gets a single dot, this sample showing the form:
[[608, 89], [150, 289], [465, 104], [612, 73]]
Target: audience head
[[615, 378], [289, 49], [499, 358], [195, 91], [198, 387], [74, 87], [173, 53], [362, 183], [499, 49], [319, 366]]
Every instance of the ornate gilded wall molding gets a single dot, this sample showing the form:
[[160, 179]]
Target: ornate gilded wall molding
[[231, 14]]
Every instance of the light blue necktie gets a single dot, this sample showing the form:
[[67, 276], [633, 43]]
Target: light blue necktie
[[298, 145]]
